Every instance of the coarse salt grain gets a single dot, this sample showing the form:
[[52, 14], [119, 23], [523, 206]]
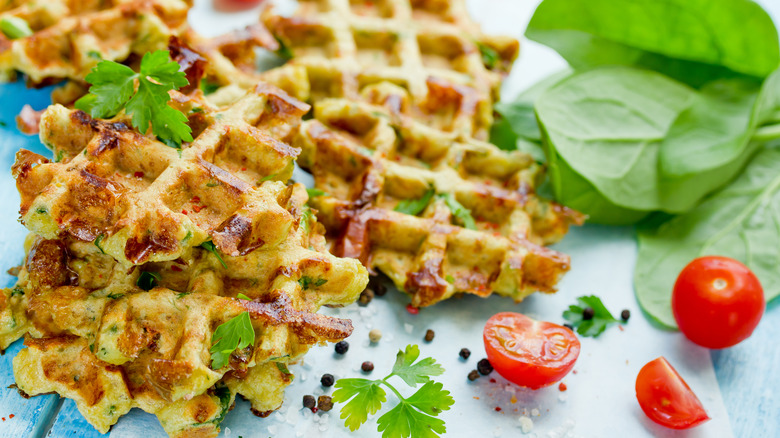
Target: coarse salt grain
[[408, 328], [272, 429], [526, 424], [535, 412]]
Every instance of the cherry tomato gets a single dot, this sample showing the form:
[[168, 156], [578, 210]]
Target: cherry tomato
[[717, 302], [235, 5], [527, 352], [666, 398]]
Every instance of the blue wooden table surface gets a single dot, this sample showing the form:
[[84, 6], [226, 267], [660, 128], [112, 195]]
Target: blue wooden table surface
[[748, 374]]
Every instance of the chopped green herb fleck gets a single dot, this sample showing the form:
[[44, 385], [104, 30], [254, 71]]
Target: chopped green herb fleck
[[307, 282], [461, 213], [148, 280], [415, 206], [315, 192], [209, 246], [208, 87], [98, 241], [15, 27], [241, 296]]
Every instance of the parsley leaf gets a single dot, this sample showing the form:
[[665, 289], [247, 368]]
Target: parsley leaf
[[415, 206], [414, 416], [414, 373], [233, 335], [114, 88], [15, 27], [461, 213], [590, 327], [209, 246], [148, 280]]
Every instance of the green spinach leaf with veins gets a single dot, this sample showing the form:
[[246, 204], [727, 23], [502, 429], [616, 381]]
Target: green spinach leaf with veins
[[694, 41], [742, 221]]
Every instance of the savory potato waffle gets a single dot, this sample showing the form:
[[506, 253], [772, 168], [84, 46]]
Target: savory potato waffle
[[448, 72], [141, 200], [369, 160], [97, 337], [69, 37]]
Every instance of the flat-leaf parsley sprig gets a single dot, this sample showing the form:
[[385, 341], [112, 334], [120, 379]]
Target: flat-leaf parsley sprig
[[591, 322], [414, 416], [233, 335], [143, 95]]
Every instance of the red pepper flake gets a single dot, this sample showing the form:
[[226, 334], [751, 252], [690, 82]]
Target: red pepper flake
[[138, 174], [184, 212], [175, 268], [574, 372], [3, 418], [498, 408], [11, 416], [621, 328], [195, 200], [198, 208], [411, 309], [492, 380], [314, 409], [243, 169], [562, 387]]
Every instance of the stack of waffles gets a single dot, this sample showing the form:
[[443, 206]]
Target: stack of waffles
[[139, 251], [403, 93]]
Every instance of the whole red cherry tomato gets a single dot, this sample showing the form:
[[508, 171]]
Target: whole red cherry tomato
[[665, 397], [717, 302], [528, 352]]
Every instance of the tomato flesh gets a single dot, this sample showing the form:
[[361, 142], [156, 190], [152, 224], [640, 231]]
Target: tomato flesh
[[527, 352], [665, 397], [717, 302]]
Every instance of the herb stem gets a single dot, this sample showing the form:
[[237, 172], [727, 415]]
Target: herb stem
[[384, 382], [766, 133]]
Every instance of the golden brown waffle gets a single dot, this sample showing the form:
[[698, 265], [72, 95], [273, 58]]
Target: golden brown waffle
[[448, 73], [72, 36], [141, 200], [368, 159], [98, 338]]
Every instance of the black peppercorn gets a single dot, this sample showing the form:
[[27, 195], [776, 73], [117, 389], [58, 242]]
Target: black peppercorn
[[464, 353], [376, 285], [327, 380], [569, 326], [308, 401], [473, 375], [342, 347], [625, 314], [367, 366], [365, 297], [588, 313], [324, 403], [484, 367], [429, 334]]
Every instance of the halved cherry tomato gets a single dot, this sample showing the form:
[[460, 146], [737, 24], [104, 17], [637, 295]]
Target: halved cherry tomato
[[528, 352], [235, 5], [666, 398], [717, 302]]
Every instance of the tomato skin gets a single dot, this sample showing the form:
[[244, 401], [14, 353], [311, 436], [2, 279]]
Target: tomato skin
[[717, 302], [665, 397], [529, 353]]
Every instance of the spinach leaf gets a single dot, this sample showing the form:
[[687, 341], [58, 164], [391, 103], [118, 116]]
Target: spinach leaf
[[742, 221], [607, 125], [518, 115], [694, 41], [716, 130]]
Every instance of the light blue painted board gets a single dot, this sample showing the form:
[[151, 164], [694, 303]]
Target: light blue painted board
[[31, 416], [71, 423], [749, 379]]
